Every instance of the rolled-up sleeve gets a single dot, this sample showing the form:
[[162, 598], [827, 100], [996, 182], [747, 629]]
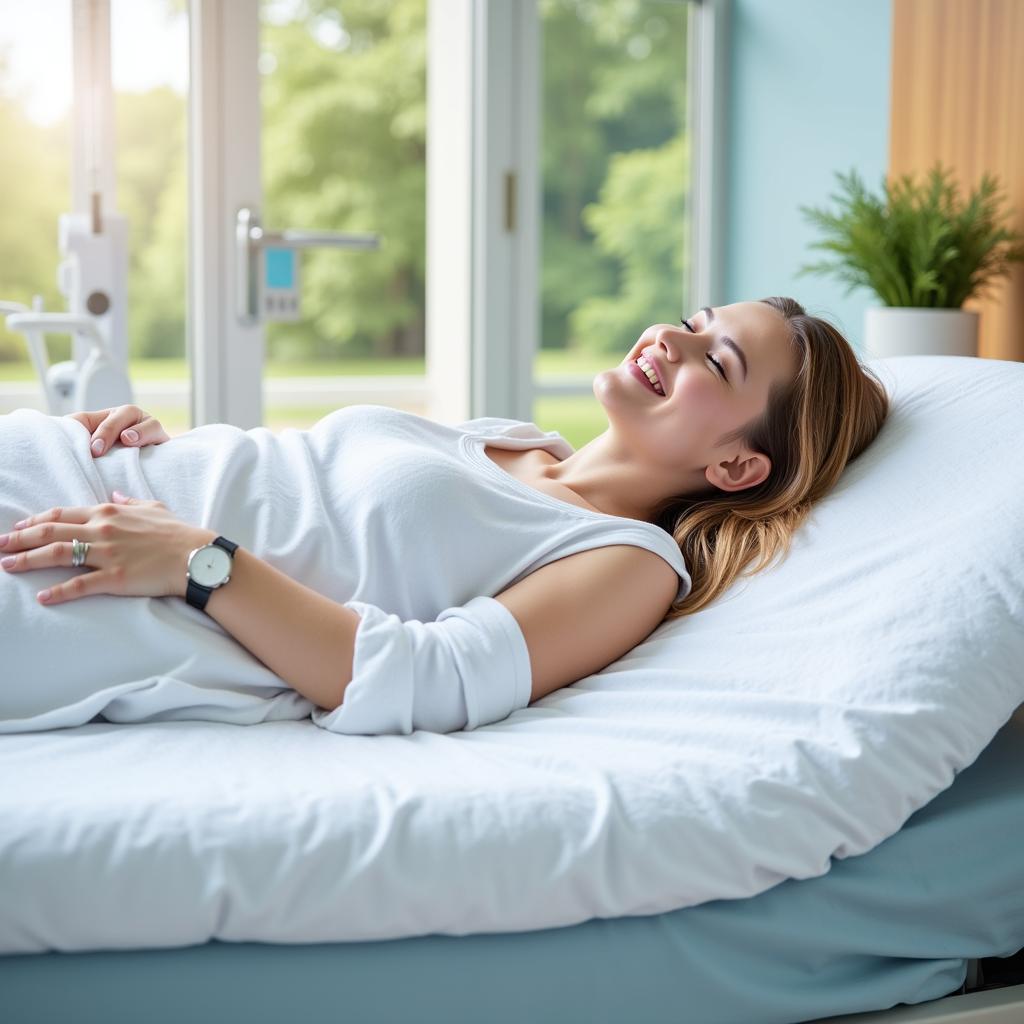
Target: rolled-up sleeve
[[468, 668]]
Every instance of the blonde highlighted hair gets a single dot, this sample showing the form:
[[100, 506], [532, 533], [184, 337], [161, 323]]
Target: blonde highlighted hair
[[811, 430]]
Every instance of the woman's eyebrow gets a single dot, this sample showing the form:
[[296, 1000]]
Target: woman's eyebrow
[[726, 340]]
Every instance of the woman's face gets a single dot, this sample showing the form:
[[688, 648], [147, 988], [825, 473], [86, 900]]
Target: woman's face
[[678, 433]]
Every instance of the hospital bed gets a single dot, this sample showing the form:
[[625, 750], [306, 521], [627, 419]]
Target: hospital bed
[[157, 871], [905, 922]]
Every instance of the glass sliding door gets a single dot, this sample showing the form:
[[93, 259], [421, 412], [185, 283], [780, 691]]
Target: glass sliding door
[[343, 99], [616, 182]]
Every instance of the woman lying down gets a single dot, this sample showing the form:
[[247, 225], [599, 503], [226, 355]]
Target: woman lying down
[[382, 572]]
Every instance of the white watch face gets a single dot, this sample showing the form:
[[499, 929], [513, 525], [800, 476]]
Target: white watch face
[[209, 566]]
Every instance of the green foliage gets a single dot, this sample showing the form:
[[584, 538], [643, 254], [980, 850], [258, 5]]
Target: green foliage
[[344, 149], [614, 168], [640, 223], [34, 176], [916, 245]]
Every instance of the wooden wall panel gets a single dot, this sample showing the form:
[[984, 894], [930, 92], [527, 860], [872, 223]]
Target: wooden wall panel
[[958, 96]]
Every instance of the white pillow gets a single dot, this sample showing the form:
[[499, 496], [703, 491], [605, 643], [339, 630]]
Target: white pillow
[[815, 706]]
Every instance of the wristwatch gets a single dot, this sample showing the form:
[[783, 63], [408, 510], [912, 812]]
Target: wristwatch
[[209, 567]]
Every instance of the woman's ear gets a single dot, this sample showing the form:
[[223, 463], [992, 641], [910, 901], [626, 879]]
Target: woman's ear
[[746, 470]]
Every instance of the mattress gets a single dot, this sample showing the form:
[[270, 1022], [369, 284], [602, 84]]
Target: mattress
[[897, 924]]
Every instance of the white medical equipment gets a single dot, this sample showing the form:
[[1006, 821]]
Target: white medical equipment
[[93, 243], [96, 382], [93, 276]]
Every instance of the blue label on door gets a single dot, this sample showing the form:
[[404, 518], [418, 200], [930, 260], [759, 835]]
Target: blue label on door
[[280, 268]]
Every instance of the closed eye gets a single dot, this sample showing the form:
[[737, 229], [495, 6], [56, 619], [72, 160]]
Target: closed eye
[[718, 365]]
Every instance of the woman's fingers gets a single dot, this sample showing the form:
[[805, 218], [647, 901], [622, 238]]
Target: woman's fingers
[[64, 514], [113, 427], [29, 534], [44, 545], [144, 432], [56, 554], [126, 423], [60, 554], [89, 420]]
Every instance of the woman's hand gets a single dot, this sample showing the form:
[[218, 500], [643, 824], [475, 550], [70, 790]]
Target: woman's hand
[[121, 422], [135, 549]]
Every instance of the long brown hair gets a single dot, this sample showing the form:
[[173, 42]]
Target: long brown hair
[[811, 429]]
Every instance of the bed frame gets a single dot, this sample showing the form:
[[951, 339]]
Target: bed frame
[[992, 1006], [978, 1003], [228, 982]]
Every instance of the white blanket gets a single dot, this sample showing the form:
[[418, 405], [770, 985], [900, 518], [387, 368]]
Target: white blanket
[[805, 715]]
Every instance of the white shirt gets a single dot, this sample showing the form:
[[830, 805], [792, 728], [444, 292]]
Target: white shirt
[[402, 519]]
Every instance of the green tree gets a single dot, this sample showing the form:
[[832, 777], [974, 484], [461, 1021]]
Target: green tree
[[345, 150], [614, 107], [639, 222]]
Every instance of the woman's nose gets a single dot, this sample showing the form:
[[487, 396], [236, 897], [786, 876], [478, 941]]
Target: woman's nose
[[667, 341]]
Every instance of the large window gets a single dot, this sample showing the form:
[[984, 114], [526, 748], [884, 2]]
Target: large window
[[343, 134]]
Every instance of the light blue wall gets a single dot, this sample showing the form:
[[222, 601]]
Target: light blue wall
[[808, 95]]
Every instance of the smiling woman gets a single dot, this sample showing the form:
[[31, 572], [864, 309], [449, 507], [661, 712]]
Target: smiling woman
[[761, 408], [810, 427], [533, 576]]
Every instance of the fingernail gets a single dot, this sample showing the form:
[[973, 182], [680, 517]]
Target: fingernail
[[43, 595], [97, 446], [3, 539], [7, 562], [21, 522], [131, 436]]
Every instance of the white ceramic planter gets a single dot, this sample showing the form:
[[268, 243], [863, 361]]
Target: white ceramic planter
[[914, 331]]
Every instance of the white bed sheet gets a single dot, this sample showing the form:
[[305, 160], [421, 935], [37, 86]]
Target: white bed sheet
[[805, 715], [172, 833]]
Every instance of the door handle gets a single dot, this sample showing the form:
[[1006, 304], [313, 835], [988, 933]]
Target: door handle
[[251, 239]]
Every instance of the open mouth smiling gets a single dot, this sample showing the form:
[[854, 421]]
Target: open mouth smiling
[[649, 375]]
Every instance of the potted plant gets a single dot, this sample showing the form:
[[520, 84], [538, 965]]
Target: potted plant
[[922, 253]]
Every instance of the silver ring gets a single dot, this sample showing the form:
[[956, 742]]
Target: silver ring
[[79, 552]]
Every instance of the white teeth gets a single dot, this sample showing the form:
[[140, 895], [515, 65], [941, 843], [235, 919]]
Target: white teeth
[[652, 376]]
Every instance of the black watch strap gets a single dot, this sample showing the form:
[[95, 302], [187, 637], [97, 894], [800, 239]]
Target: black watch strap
[[195, 593]]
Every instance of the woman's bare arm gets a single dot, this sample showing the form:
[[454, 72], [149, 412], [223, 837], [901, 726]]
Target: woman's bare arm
[[577, 615], [584, 611], [300, 635]]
